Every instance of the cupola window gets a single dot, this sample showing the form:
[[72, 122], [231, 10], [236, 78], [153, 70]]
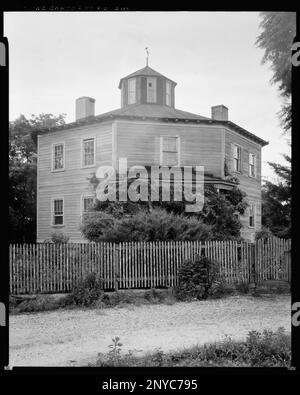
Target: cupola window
[[131, 91], [151, 90], [168, 93]]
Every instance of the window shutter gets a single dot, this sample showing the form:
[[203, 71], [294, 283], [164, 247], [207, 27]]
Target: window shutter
[[245, 161], [255, 170], [241, 151], [179, 150], [161, 150], [231, 157]]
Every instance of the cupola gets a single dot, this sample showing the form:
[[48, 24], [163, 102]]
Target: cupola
[[147, 86]]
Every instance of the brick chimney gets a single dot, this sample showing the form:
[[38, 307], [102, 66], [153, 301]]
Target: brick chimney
[[219, 113], [85, 107]]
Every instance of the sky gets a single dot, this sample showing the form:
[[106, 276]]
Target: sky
[[56, 57]]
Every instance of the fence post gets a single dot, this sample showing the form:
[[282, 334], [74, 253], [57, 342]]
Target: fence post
[[252, 256], [116, 265]]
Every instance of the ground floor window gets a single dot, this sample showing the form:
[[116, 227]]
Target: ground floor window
[[58, 211], [252, 215]]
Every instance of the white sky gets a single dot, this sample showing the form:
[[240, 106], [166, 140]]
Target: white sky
[[57, 57]]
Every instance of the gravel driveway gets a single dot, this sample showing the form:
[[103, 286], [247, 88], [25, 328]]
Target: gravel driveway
[[74, 337]]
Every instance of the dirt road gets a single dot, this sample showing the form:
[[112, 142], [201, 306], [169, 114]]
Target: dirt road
[[74, 337]]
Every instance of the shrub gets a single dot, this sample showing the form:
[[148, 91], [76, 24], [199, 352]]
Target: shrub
[[264, 233], [159, 224], [242, 287], [195, 278], [36, 304], [220, 287], [87, 291], [59, 237]]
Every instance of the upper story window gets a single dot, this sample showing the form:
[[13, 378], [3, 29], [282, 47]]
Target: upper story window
[[88, 152], [58, 156], [236, 158], [251, 216], [170, 151], [58, 211], [151, 89], [131, 91], [168, 93], [252, 165]]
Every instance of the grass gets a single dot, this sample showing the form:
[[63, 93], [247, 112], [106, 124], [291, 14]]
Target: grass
[[120, 299], [260, 349], [89, 296]]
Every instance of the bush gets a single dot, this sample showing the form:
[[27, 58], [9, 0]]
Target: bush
[[145, 226], [242, 287], [87, 291], [264, 233], [59, 238], [195, 279], [219, 288], [36, 304]]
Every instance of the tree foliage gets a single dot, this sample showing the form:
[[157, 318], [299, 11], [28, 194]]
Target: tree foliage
[[276, 39], [22, 174], [276, 201]]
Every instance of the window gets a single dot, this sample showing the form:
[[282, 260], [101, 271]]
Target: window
[[87, 204], [251, 215], [58, 156], [88, 152], [131, 91], [236, 158], [168, 93], [58, 212], [252, 163], [151, 90], [170, 151]]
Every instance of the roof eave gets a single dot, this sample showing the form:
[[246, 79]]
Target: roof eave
[[145, 75], [96, 119]]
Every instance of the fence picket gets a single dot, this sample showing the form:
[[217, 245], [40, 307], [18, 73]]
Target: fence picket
[[58, 268]]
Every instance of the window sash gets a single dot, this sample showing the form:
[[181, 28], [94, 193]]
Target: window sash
[[170, 151], [58, 156], [58, 212], [170, 144], [251, 165], [236, 157], [131, 90], [88, 152], [170, 158], [168, 93], [251, 216], [151, 90]]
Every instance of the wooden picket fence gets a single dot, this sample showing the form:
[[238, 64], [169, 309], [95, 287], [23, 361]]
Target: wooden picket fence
[[54, 268]]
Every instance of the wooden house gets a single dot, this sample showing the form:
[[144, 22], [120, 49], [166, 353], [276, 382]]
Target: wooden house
[[147, 130]]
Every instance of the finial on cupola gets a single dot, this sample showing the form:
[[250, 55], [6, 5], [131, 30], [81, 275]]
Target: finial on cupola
[[147, 58]]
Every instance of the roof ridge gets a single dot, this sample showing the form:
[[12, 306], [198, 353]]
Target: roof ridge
[[142, 72]]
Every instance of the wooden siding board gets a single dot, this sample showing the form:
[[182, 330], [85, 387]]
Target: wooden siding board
[[140, 144], [251, 186], [71, 183]]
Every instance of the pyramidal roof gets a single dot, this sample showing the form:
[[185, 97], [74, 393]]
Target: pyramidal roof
[[146, 71]]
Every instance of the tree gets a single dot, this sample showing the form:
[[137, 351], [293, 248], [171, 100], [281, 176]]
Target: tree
[[276, 201], [276, 39], [22, 174]]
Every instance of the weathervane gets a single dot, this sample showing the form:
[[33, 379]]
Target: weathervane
[[147, 59]]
